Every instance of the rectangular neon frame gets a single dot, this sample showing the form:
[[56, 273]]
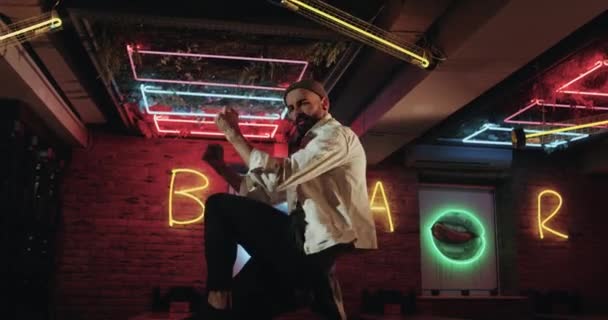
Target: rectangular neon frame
[[270, 135], [598, 64], [147, 89], [539, 102], [130, 51], [493, 127]]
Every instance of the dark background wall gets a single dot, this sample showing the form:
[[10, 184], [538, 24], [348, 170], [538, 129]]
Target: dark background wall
[[580, 263]]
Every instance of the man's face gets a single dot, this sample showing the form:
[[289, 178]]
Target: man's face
[[303, 103]]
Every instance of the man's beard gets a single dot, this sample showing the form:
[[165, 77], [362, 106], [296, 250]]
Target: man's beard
[[299, 128]]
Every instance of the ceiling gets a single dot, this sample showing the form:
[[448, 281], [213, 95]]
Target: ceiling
[[498, 39], [147, 68], [170, 77]]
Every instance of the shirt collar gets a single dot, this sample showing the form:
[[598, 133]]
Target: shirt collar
[[320, 123]]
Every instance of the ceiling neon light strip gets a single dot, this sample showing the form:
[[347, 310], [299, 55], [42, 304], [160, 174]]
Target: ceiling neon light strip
[[566, 129], [356, 28], [598, 65], [149, 90], [37, 28], [492, 127], [130, 51], [269, 135], [540, 103]]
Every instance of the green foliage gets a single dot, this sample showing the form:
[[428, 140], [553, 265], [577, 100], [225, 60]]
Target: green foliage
[[325, 54]]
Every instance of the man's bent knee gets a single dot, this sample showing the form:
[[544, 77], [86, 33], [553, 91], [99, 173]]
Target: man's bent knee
[[216, 199], [217, 203]]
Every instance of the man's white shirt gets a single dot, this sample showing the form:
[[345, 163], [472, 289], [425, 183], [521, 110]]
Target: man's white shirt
[[328, 178]]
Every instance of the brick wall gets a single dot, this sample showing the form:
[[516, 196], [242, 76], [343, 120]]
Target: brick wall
[[578, 264], [397, 264], [117, 245]]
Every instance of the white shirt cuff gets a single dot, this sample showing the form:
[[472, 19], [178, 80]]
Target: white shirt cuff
[[258, 159]]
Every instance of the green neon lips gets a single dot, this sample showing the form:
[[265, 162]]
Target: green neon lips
[[458, 236]]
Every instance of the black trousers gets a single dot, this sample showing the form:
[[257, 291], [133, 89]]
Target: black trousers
[[279, 276]]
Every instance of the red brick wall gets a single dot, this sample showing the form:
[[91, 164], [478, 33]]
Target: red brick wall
[[117, 245], [397, 264]]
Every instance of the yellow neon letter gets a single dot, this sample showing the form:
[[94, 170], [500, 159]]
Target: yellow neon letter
[[186, 193], [541, 222], [385, 208]]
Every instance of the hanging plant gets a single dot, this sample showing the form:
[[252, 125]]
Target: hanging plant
[[111, 55], [325, 54]]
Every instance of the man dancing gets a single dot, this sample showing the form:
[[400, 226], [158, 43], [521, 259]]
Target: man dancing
[[324, 183]]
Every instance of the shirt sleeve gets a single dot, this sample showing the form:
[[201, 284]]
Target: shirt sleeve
[[250, 189], [326, 151]]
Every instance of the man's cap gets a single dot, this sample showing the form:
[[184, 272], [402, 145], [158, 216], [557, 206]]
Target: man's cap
[[307, 84]]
